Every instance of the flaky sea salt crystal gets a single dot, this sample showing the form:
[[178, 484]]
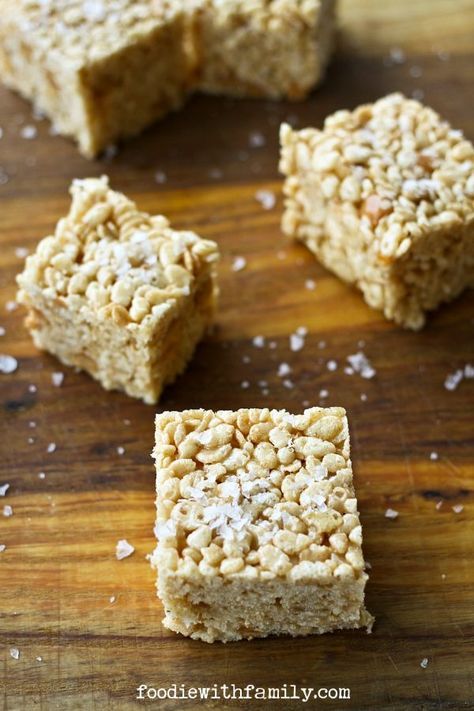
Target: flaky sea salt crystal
[[434, 456], [331, 365], [3, 489], [453, 379], [310, 284], [283, 370], [458, 508], [14, 653], [391, 513], [266, 199], [57, 379], [8, 364], [123, 549], [296, 342], [7, 510], [29, 131], [424, 663], [361, 364], [51, 447], [238, 264], [120, 450], [258, 341], [256, 139]]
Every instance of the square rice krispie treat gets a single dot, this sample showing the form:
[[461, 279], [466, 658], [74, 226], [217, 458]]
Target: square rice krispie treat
[[263, 48], [258, 529], [118, 293], [384, 197], [100, 69]]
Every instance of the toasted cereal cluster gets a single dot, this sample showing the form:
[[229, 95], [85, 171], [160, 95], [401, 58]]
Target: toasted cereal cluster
[[384, 195], [254, 496], [271, 48], [118, 292], [126, 264], [100, 69]]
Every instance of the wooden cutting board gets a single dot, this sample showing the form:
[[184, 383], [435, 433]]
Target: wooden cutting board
[[94, 621]]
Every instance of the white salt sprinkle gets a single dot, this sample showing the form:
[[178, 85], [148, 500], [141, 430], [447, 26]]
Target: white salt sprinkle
[[7, 510], [457, 508], [112, 599], [120, 450], [310, 284], [391, 513], [8, 364], [296, 342], [57, 379], [453, 379], [266, 199], [123, 549], [39, 659], [238, 264], [14, 653], [331, 365], [256, 139], [323, 393], [160, 177], [287, 383], [3, 489], [361, 364], [21, 252], [41, 475], [32, 388], [283, 369], [434, 456], [258, 341], [424, 663], [51, 447], [438, 505], [363, 397], [2, 331], [397, 55], [2, 547], [28, 132], [244, 384]]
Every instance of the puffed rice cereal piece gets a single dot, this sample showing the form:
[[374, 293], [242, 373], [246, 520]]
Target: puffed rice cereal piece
[[246, 546]]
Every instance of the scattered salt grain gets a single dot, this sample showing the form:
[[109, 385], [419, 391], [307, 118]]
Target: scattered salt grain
[[457, 508], [361, 364], [415, 71], [123, 549], [2, 547], [321, 345], [310, 284], [31, 440], [57, 379], [434, 456], [272, 345], [112, 599], [363, 397], [246, 359], [453, 379], [28, 132], [120, 450], [8, 364], [323, 393], [288, 384], [283, 369], [391, 513], [424, 663], [7, 510], [244, 384], [258, 341], [51, 447], [39, 659], [3, 489], [256, 139], [160, 177], [32, 388], [127, 421], [238, 264], [438, 505], [11, 306], [2, 331], [14, 653], [331, 365], [397, 55], [41, 475], [348, 370], [21, 252], [266, 199]]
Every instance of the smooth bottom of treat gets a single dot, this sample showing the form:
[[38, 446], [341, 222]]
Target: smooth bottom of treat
[[236, 610], [117, 358]]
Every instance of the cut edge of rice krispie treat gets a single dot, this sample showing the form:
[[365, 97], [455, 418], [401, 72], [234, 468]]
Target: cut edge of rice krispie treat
[[262, 48], [384, 197], [257, 524], [118, 293], [98, 71]]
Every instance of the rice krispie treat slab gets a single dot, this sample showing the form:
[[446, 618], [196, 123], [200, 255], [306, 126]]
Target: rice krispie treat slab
[[257, 524], [99, 69], [263, 48], [384, 197], [118, 293]]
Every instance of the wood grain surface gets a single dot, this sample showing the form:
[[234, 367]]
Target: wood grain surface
[[59, 572]]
